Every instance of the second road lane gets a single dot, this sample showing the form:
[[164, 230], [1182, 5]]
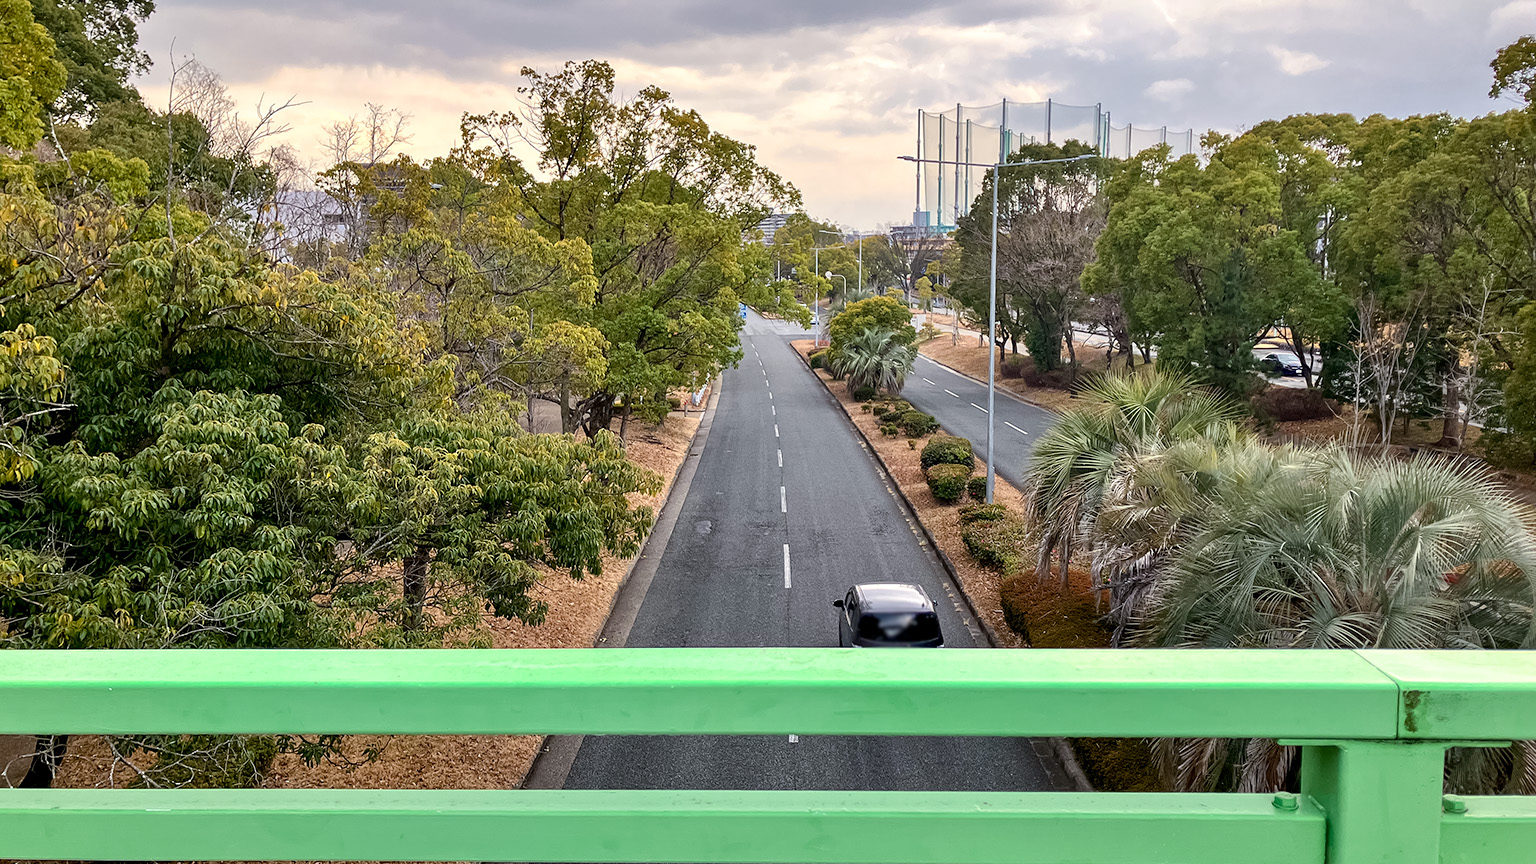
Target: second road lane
[[786, 511]]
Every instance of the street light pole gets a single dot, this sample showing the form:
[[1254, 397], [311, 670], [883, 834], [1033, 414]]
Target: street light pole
[[816, 301], [996, 168]]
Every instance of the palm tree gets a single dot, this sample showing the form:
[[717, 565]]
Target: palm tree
[[1210, 539], [875, 359], [1125, 416], [1338, 550]]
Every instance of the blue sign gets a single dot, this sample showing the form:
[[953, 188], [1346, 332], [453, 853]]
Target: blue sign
[[742, 309]]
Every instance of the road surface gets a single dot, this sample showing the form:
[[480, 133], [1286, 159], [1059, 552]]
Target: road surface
[[960, 404], [786, 511]]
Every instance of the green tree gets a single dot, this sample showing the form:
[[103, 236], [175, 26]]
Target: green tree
[[30, 75], [1198, 258], [873, 313], [661, 200], [98, 42]]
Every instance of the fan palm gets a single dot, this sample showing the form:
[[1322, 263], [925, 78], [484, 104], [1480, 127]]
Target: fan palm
[[1336, 550], [874, 358], [1125, 418]]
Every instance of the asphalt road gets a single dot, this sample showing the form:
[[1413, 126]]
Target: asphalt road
[[786, 511], [960, 404]]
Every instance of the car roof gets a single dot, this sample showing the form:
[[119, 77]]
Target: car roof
[[892, 597]]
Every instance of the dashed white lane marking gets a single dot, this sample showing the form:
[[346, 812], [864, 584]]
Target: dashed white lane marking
[[781, 458], [775, 430], [770, 395], [930, 382], [783, 501], [952, 393], [1014, 428], [794, 739], [774, 410], [978, 408], [786, 565]]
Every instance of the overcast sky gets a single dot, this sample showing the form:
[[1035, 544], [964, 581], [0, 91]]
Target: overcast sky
[[828, 89]]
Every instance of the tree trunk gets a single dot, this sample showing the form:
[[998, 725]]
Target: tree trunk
[[1071, 346], [45, 761], [567, 415], [414, 586], [1451, 422]]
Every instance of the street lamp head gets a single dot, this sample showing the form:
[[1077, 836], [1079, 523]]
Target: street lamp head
[[829, 274]]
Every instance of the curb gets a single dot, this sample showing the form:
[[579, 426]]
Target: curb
[[1062, 750], [999, 389], [556, 753]]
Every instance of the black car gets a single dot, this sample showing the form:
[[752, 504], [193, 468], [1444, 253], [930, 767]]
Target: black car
[[887, 615], [1281, 363]]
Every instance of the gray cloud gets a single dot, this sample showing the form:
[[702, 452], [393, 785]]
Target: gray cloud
[[852, 73]]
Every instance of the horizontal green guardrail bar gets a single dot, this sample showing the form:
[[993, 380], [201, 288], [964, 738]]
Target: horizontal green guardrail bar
[[1492, 830], [1291, 694], [639, 826]]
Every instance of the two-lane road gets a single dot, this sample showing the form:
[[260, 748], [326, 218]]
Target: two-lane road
[[786, 510], [960, 404]]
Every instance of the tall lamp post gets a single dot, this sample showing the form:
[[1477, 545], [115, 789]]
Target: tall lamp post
[[816, 301], [995, 167]]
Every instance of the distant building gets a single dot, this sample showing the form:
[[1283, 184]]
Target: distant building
[[768, 227]]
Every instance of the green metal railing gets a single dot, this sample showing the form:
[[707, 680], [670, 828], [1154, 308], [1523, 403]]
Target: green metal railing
[[1375, 727]]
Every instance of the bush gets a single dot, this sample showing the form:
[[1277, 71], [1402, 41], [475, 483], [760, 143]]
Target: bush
[[917, 424], [890, 430], [976, 487], [1056, 379], [947, 450], [947, 482], [818, 359], [864, 394], [996, 543], [1013, 366], [892, 410], [1281, 404], [981, 512]]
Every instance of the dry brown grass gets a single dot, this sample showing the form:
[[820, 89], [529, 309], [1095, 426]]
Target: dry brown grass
[[577, 612]]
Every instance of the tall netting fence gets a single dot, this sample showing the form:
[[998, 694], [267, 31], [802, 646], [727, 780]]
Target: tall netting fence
[[986, 134]]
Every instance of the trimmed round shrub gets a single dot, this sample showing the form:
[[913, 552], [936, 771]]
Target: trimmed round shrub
[[865, 394], [818, 359], [1063, 378], [892, 410], [1286, 403], [947, 450], [947, 482], [976, 487], [1013, 366], [996, 543], [981, 512], [917, 424], [890, 430]]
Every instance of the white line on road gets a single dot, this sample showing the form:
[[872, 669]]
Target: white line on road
[[1014, 428], [783, 501], [978, 408], [781, 458], [770, 395], [774, 410], [775, 430], [930, 382], [794, 739], [786, 565], [953, 393]]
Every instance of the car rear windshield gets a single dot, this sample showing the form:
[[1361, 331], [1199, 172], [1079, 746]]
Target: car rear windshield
[[899, 626]]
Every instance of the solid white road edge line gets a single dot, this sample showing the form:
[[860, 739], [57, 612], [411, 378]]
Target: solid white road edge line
[[786, 565]]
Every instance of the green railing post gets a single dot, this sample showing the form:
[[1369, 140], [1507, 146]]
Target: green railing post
[[1382, 799]]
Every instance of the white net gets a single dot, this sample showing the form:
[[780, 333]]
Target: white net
[[985, 134]]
